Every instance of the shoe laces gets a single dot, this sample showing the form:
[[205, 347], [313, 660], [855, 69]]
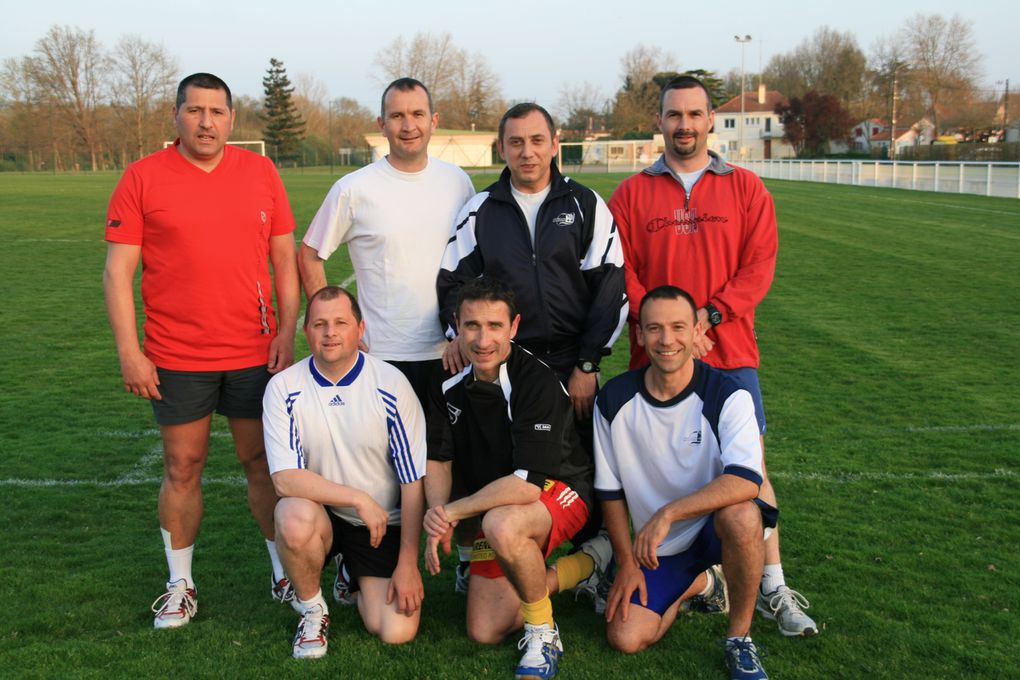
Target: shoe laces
[[788, 599], [282, 590], [177, 598], [313, 621], [747, 654], [535, 638]]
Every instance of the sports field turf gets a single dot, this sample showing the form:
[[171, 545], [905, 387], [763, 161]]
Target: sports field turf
[[890, 344]]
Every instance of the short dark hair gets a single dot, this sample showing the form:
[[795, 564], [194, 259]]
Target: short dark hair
[[332, 293], [206, 81], [684, 83], [520, 111], [403, 85], [487, 289], [667, 293]]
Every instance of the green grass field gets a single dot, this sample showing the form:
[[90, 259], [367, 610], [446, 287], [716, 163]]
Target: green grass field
[[890, 344]]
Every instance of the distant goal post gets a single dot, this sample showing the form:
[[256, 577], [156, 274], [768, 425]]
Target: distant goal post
[[256, 145]]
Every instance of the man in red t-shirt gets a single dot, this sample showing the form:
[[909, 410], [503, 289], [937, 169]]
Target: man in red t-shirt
[[204, 219]]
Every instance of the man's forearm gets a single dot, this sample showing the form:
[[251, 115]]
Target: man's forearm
[[313, 270], [412, 510], [314, 487], [438, 482], [614, 515], [285, 282], [723, 491], [508, 490]]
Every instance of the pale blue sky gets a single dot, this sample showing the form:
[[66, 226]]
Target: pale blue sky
[[535, 47]]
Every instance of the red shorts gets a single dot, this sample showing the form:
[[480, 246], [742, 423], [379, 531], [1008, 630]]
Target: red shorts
[[568, 511]]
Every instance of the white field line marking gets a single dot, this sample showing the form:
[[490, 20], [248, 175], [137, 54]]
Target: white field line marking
[[962, 428], [348, 281], [143, 468], [832, 478], [949, 205]]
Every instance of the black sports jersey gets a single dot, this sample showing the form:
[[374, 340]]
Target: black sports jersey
[[524, 421]]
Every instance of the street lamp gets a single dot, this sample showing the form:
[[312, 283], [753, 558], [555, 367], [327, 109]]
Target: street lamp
[[740, 124]]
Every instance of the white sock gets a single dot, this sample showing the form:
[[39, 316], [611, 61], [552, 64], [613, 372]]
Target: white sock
[[464, 552], [772, 578], [318, 599], [178, 561], [274, 557]]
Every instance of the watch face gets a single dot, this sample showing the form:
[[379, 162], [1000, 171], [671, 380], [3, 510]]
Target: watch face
[[587, 367]]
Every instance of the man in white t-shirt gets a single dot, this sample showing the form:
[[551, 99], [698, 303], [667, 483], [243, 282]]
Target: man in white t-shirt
[[345, 440], [395, 216], [677, 449]]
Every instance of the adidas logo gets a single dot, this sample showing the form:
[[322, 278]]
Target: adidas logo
[[336, 401]]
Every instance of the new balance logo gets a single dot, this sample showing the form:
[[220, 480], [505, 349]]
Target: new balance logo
[[543, 427], [567, 497], [564, 219], [454, 413], [337, 401]]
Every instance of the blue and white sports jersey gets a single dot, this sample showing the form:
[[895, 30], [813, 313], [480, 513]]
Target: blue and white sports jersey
[[365, 431], [653, 452]]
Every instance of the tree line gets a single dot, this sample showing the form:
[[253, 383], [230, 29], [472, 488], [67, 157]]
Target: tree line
[[74, 103]]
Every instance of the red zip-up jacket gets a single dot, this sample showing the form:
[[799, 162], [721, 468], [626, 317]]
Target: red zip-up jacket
[[718, 243]]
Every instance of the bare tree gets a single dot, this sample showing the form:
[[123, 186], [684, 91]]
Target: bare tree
[[71, 70], [944, 58], [464, 88], [644, 70], [582, 106], [23, 126], [350, 121], [829, 62], [310, 97], [144, 78]]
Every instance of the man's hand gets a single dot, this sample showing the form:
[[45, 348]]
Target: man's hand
[[581, 388], [437, 523], [649, 538], [406, 587], [281, 353], [374, 517], [454, 360], [702, 343], [432, 544], [439, 528], [140, 376], [629, 578]]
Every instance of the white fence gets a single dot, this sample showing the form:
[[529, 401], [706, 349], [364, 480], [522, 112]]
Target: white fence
[[985, 179]]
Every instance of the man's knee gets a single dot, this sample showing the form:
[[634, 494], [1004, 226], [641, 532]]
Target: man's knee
[[739, 523], [482, 631], [296, 520], [628, 637], [502, 527], [397, 630]]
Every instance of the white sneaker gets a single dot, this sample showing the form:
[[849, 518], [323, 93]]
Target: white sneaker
[[786, 607], [342, 585], [600, 549], [542, 650], [311, 637], [462, 577], [176, 606], [282, 591]]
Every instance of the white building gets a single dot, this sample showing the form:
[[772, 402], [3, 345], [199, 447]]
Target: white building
[[757, 133], [465, 148]]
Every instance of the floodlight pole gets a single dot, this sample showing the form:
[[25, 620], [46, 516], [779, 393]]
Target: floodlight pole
[[740, 124]]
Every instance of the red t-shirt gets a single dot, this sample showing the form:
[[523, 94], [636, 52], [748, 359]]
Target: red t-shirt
[[206, 286]]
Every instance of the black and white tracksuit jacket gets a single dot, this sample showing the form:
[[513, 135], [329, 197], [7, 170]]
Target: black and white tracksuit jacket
[[569, 286]]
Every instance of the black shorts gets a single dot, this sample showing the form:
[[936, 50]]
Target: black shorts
[[191, 395], [360, 557]]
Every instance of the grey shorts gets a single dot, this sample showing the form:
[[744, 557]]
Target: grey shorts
[[191, 395]]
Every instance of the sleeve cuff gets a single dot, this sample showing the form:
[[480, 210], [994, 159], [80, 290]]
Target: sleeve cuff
[[743, 473]]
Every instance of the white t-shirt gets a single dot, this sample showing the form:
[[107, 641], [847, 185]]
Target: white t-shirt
[[651, 453], [365, 431], [396, 225], [529, 205]]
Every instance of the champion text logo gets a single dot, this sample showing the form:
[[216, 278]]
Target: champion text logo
[[564, 219], [336, 401]]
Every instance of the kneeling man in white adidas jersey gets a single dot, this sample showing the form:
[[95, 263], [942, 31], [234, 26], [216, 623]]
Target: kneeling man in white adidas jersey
[[676, 445], [345, 438]]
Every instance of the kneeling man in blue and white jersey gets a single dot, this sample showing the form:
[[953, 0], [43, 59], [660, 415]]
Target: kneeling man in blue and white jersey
[[345, 438], [677, 445]]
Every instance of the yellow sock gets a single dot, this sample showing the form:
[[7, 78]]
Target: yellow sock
[[573, 569], [537, 613]]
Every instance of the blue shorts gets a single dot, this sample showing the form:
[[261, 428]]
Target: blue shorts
[[747, 378], [677, 572]]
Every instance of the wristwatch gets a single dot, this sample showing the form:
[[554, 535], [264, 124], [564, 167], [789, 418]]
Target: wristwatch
[[587, 366], [714, 315]]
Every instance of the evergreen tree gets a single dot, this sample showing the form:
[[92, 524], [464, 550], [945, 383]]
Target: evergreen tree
[[284, 127]]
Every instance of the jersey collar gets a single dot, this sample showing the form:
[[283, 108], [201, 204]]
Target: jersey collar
[[346, 380]]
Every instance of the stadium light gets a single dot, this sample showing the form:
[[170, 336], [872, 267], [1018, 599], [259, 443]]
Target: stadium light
[[740, 124]]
